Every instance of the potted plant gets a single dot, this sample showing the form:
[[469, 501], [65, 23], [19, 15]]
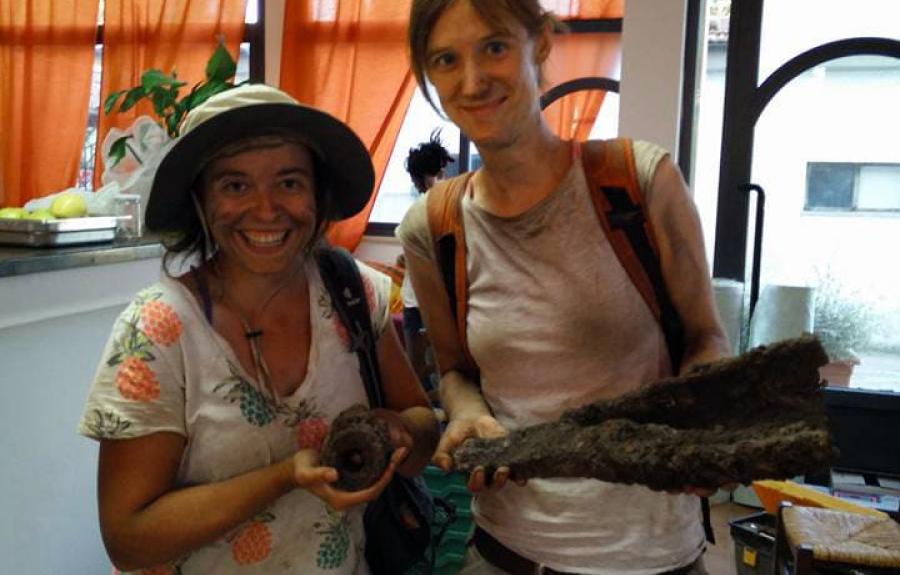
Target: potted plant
[[163, 91], [845, 322]]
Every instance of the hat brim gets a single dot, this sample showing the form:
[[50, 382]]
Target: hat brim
[[340, 151]]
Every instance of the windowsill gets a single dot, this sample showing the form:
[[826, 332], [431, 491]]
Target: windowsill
[[17, 260], [840, 213]]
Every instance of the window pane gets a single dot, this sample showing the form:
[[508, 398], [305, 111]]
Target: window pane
[[708, 129], [794, 26], [251, 15], [88, 151], [607, 123], [397, 191], [830, 186], [879, 188], [243, 64], [822, 130]]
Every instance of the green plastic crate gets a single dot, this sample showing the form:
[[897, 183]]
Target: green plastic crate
[[449, 564], [451, 487]]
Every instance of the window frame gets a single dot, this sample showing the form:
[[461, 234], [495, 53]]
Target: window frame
[[254, 35], [745, 101], [854, 208]]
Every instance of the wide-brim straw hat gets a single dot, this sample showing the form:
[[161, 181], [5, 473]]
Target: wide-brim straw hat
[[244, 112]]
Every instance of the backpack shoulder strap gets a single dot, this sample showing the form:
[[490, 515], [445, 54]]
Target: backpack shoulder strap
[[615, 192], [341, 277], [444, 209], [616, 196]]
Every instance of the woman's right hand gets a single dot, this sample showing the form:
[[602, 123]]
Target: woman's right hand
[[460, 429], [317, 479]]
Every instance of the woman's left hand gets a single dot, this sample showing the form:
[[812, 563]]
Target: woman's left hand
[[316, 479]]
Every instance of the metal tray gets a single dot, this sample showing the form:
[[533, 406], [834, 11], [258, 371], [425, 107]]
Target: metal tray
[[58, 232]]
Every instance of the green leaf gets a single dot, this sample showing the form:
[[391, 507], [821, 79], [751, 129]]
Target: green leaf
[[132, 97], [162, 99], [110, 102], [172, 122], [202, 92], [118, 149], [221, 66], [153, 78]]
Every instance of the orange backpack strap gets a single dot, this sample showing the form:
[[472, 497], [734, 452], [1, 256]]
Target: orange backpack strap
[[615, 192], [616, 195], [444, 208]]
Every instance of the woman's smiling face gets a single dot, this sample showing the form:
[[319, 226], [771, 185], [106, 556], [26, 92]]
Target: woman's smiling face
[[486, 78], [260, 206]]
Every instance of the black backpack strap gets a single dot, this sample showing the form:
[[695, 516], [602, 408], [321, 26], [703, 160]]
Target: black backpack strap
[[628, 216], [342, 279], [707, 520]]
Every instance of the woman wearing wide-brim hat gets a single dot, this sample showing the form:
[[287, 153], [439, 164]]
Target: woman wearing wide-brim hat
[[218, 385]]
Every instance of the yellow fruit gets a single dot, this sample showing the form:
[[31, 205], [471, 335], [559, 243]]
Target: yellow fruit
[[40, 214], [13, 213], [68, 205]]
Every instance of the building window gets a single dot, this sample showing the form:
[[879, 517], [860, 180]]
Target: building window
[[852, 187]]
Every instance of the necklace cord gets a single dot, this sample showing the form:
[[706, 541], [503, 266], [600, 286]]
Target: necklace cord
[[254, 335], [263, 375]]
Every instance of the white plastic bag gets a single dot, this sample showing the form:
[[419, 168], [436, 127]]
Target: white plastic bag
[[144, 150]]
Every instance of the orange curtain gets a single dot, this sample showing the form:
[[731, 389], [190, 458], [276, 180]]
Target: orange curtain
[[348, 57], [576, 56], [167, 35], [46, 58], [585, 9]]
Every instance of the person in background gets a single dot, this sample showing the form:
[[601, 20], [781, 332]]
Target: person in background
[[553, 321], [426, 164], [218, 385]]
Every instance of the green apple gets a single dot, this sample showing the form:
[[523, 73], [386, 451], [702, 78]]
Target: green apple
[[40, 214], [13, 213], [68, 205]]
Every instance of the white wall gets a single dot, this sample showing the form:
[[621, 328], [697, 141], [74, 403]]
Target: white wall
[[49, 473], [650, 88], [53, 327]]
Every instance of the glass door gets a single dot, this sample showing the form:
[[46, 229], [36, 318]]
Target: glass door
[[810, 121]]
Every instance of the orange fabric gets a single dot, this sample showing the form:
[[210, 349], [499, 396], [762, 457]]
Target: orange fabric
[[443, 205], [585, 9], [610, 163], [348, 58], [161, 34], [46, 59], [576, 56]]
